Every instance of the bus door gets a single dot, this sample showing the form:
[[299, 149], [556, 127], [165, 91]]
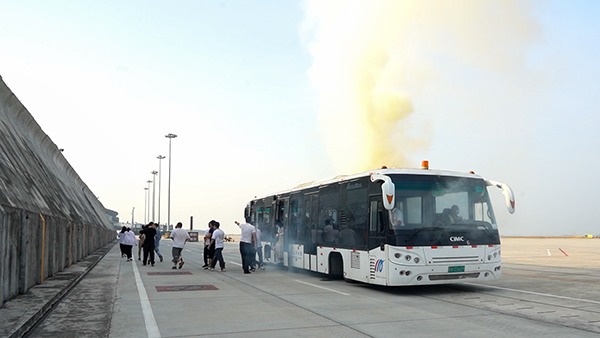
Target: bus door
[[281, 220], [310, 224], [377, 237], [377, 223]]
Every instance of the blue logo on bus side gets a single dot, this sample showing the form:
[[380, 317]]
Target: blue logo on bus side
[[379, 265]]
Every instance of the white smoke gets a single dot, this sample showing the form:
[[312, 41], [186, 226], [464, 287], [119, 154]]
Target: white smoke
[[371, 56]]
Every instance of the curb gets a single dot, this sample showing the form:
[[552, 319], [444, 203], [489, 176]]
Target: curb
[[23, 319]]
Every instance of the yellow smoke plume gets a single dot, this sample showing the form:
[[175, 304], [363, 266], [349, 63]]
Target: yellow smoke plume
[[369, 54]]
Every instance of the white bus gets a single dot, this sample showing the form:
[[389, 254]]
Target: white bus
[[386, 227]]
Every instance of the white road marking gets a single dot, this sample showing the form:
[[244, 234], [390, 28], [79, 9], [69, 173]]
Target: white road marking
[[549, 254], [151, 326], [538, 293], [324, 288]]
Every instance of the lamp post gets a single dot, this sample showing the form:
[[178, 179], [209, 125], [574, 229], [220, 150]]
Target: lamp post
[[160, 157], [145, 204], [149, 220], [154, 172], [132, 218], [170, 137]]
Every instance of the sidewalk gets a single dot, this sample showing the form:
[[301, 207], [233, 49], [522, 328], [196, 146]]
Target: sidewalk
[[21, 313]]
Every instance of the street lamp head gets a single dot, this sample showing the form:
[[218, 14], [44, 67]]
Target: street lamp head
[[147, 188], [160, 157], [154, 172], [170, 136], [148, 181]]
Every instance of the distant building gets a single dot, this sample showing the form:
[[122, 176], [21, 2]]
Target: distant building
[[112, 215]]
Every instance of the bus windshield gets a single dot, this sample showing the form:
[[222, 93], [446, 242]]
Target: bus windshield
[[441, 210]]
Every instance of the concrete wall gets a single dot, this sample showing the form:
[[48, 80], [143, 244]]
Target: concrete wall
[[49, 218]]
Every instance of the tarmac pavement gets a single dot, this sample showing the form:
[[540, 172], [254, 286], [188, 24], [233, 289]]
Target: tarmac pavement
[[549, 283]]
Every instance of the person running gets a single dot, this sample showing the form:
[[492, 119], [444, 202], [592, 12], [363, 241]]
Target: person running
[[128, 243], [218, 238], [157, 241], [209, 246], [149, 234], [179, 237]]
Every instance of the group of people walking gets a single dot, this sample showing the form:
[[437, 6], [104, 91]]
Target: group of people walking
[[149, 243], [214, 243], [214, 239]]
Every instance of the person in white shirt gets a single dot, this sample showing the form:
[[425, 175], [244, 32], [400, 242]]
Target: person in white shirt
[[330, 233], [179, 237], [218, 239], [121, 236], [128, 240], [247, 245]]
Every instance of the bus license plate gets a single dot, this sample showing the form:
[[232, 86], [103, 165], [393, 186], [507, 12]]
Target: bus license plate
[[456, 268]]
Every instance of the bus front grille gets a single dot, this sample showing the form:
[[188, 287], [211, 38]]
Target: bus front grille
[[450, 260]]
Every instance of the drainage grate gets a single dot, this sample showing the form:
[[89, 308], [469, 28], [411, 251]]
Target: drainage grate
[[185, 288], [170, 273]]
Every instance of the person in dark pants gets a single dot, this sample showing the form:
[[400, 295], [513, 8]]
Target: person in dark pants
[[149, 233], [247, 245], [157, 241], [259, 249], [209, 245], [218, 242], [122, 239]]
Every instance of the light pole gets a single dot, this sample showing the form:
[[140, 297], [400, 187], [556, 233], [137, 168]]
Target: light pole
[[170, 137], [145, 204], [160, 157], [154, 172], [149, 220], [132, 218]]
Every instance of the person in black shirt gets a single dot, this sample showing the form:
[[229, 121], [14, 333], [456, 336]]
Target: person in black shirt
[[209, 245], [149, 233]]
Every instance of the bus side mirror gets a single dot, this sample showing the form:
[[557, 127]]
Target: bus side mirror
[[388, 190], [509, 196]]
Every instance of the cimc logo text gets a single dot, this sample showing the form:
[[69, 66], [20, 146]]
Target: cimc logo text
[[379, 265]]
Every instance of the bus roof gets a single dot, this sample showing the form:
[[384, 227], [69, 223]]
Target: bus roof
[[384, 171]]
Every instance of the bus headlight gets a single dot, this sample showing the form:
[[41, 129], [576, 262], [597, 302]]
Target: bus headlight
[[416, 260], [407, 257]]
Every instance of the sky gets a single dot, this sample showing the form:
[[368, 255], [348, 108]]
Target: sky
[[265, 95]]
